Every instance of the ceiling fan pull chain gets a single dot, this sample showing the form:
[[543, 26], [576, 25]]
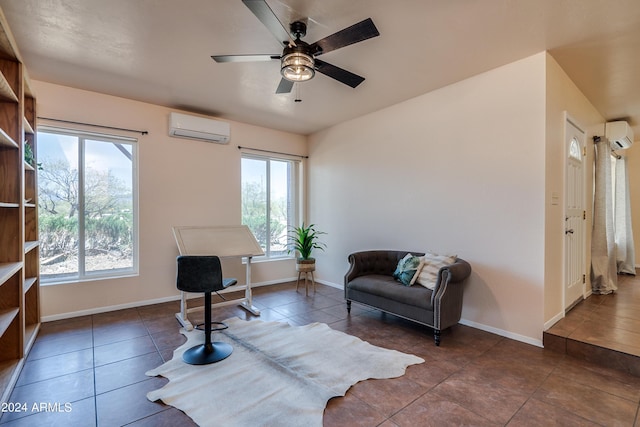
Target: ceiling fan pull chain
[[298, 99]]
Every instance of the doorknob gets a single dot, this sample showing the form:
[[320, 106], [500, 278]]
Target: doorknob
[[569, 231]]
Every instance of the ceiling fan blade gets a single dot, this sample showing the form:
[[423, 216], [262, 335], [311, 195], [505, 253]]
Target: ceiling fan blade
[[263, 12], [341, 75], [244, 58], [285, 86], [363, 30]]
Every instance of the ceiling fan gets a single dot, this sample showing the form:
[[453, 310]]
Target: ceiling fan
[[298, 61]]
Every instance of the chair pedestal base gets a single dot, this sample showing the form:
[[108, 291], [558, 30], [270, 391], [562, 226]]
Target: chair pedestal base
[[199, 355]]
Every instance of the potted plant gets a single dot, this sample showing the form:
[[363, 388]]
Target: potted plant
[[29, 157], [304, 240]]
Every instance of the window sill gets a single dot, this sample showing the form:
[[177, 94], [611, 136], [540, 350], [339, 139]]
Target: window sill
[[260, 260], [70, 281]]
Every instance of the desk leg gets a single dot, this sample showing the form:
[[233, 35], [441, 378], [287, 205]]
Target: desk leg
[[182, 316], [248, 304]]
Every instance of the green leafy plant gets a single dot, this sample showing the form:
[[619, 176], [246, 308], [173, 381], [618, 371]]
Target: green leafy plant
[[305, 240], [30, 158]]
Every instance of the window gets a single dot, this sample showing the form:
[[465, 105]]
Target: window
[[269, 202], [87, 205], [574, 150]]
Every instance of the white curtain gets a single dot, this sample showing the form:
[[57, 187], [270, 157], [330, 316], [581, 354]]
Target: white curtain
[[625, 252], [604, 278]]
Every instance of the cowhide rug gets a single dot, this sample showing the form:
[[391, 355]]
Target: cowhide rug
[[277, 375]]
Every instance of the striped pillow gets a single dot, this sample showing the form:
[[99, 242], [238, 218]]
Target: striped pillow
[[430, 264]]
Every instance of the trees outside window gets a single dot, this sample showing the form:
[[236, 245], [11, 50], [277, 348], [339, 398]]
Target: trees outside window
[[269, 202], [87, 200]]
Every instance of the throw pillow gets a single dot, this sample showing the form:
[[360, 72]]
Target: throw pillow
[[418, 270], [431, 264], [406, 269]]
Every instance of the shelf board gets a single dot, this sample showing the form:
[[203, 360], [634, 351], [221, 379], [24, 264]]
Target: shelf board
[[29, 246], [6, 317], [8, 269], [27, 166], [6, 140], [28, 92], [8, 47], [27, 126], [28, 283], [9, 205], [9, 370], [29, 205], [30, 333], [6, 93]]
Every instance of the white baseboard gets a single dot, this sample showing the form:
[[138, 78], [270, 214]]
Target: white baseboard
[[555, 319], [506, 334], [98, 310], [331, 284], [274, 282], [502, 333], [106, 309]]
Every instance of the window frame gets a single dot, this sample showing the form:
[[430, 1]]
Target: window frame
[[82, 275], [294, 194]]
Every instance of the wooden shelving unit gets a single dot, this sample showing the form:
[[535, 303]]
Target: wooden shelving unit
[[19, 247]]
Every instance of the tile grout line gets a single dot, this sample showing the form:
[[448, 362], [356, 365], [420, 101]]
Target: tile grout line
[[93, 352]]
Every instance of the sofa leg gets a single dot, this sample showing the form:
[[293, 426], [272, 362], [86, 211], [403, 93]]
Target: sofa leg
[[436, 337], [348, 306]]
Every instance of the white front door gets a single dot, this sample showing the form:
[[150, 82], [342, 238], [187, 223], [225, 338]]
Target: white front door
[[575, 215]]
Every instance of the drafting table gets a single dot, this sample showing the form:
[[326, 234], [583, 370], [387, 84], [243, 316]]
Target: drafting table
[[224, 242]]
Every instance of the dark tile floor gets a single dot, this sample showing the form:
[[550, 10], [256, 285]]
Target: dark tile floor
[[603, 329], [96, 366]]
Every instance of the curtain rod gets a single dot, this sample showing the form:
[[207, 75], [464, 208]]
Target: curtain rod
[[142, 132], [597, 139], [272, 152]]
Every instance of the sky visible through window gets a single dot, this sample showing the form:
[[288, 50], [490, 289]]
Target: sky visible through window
[[255, 171], [102, 157]]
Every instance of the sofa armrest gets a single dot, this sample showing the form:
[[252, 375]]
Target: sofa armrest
[[458, 271], [447, 295], [453, 273]]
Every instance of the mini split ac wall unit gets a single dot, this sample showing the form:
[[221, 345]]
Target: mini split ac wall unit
[[619, 134], [200, 128]]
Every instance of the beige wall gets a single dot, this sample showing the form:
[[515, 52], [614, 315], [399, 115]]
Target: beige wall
[[563, 97], [181, 182], [458, 170]]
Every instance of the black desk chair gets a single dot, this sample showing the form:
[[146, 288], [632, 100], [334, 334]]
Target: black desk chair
[[204, 274]]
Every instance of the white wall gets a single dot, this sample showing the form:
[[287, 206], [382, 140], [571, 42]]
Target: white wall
[[458, 170], [181, 182]]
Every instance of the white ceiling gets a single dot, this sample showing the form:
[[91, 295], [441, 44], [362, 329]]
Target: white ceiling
[[158, 51]]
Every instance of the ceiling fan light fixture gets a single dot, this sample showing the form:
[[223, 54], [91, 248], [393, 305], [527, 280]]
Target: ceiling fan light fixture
[[297, 67]]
